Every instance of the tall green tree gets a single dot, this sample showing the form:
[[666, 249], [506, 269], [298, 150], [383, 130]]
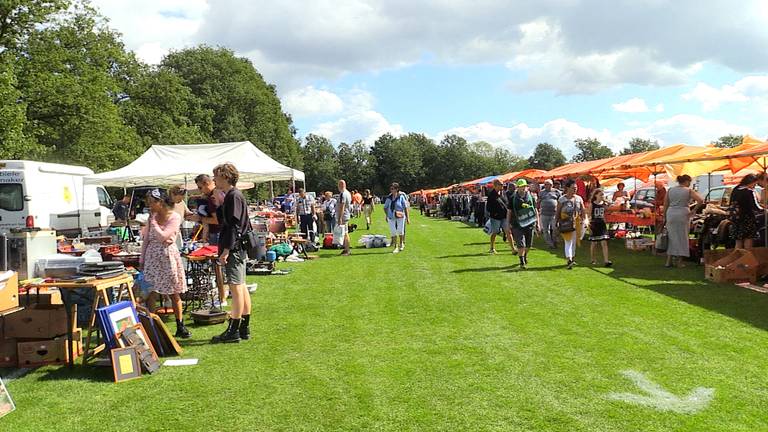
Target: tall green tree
[[640, 145], [728, 141], [357, 165], [590, 149], [321, 165], [19, 18], [455, 158], [243, 105], [397, 160], [71, 75], [546, 156], [14, 142], [162, 110]]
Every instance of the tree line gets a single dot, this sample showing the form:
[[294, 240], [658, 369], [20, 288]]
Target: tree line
[[416, 161], [70, 92]]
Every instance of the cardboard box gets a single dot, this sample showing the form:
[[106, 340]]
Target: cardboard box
[[721, 274], [9, 292], [639, 244], [761, 253], [37, 322], [8, 353], [48, 351], [44, 297]]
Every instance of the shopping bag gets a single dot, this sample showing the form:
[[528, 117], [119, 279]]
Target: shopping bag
[[662, 241], [338, 235]]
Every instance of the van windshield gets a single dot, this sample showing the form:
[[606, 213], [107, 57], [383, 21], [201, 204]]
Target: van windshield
[[11, 197]]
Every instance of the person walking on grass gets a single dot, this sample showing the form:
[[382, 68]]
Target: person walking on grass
[[523, 219], [398, 214], [570, 221], [677, 219], [235, 223], [598, 230], [497, 215], [368, 207], [160, 258], [343, 214], [547, 204]]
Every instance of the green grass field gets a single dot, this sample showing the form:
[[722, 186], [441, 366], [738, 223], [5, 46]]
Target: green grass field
[[443, 337]]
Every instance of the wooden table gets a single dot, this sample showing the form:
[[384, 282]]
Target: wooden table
[[100, 286]]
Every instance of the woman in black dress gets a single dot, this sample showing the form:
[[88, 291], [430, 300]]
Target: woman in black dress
[[598, 230], [367, 207], [745, 208]]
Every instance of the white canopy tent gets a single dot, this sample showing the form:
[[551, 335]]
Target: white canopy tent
[[180, 164]]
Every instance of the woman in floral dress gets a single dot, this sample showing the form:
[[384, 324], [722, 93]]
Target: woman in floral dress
[[160, 257]]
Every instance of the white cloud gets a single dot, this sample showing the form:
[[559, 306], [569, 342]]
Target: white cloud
[[748, 89], [570, 46], [634, 105], [659, 108], [522, 138], [153, 27], [310, 101], [367, 125], [356, 119]]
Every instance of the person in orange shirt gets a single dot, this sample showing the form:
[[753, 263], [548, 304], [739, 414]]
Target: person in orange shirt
[[357, 203]]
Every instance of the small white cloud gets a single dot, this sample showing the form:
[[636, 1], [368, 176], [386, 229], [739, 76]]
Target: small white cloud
[[365, 125], [659, 108], [310, 101], [749, 89], [634, 105], [522, 139]]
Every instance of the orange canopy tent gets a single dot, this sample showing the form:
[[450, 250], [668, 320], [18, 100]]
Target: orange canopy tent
[[514, 175]]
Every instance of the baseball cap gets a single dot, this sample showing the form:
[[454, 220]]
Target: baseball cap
[[547, 181], [521, 183]]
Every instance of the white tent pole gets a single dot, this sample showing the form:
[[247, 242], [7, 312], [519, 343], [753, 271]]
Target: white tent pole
[[271, 191]]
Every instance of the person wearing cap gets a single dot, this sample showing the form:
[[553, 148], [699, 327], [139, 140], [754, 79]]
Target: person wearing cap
[[523, 219], [497, 215], [547, 206]]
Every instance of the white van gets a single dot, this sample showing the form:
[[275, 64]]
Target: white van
[[46, 195]]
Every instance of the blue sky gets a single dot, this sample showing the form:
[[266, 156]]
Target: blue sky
[[513, 73]]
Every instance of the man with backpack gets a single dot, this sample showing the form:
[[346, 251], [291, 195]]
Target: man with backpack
[[523, 219]]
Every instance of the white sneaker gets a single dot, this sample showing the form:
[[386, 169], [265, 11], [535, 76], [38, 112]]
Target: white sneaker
[[223, 304], [402, 248], [395, 250]]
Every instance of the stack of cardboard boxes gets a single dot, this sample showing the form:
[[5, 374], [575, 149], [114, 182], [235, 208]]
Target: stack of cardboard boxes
[[33, 331]]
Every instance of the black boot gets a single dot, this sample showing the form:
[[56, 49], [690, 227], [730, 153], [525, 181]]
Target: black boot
[[522, 262], [245, 330], [182, 331], [230, 335]]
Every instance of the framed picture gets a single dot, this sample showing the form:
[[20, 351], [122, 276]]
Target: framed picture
[[115, 318], [123, 317], [137, 337], [125, 364], [6, 403]]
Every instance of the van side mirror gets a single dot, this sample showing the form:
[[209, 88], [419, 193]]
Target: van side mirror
[[27, 198]]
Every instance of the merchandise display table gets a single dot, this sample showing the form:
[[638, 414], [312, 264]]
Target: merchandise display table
[[100, 286], [630, 218]]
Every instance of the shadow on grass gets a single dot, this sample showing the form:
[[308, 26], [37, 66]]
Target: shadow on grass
[[476, 244], [485, 269], [80, 373], [688, 285], [466, 255]]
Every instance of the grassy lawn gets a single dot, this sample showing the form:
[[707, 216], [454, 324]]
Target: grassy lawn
[[443, 337]]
